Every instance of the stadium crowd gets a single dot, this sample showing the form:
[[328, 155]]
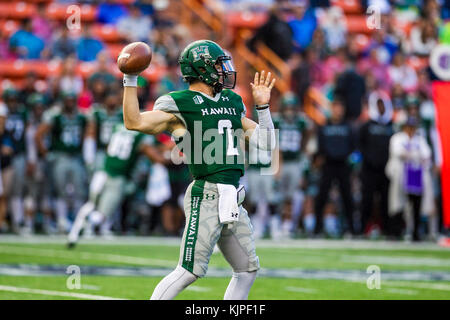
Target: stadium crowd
[[368, 166]]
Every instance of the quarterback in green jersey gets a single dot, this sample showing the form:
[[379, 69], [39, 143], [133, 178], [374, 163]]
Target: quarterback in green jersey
[[107, 187], [211, 121]]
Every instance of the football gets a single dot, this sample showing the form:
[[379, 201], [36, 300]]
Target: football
[[134, 58]]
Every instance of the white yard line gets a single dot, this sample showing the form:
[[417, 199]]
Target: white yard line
[[198, 289], [56, 293], [418, 285], [291, 243], [402, 291], [54, 253], [299, 289], [398, 260]]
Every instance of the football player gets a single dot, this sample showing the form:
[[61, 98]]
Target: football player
[[15, 180], [108, 184], [102, 120], [294, 131], [211, 120], [66, 126]]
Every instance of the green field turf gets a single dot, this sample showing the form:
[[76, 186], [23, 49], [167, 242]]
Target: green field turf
[[34, 268]]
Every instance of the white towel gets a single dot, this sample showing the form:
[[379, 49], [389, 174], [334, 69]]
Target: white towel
[[228, 206], [158, 186]]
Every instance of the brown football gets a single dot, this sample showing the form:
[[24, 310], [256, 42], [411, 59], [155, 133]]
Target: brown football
[[134, 58]]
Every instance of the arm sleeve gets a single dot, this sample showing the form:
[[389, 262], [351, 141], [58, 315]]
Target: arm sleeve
[[167, 104], [263, 135]]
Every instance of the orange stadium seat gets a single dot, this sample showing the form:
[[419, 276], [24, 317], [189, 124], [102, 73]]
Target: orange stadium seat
[[19, 68], [85, 69], [8, 27], [349, 6], [14, 69], [44, 68], [357, 24], [114, 49], [418, 63], [106, 33], [17, 10]]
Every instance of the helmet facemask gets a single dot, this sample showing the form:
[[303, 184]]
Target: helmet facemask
[[226, 73]]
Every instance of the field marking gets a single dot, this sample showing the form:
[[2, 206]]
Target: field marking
[[198, 289], [419, 285], [54, 253], [90, 287], [301, 290], [402, 291], [56, 293], [264, 243], [398, 260]]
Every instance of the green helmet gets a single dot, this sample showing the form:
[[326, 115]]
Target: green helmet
[[289, 100], [36, 99], [10, 93], [199, 60]]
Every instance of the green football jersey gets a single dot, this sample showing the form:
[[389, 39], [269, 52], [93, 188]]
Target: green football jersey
[[290, 135], [67, 131], [123, 150], [214, 130], [15, 125], [105, 124]]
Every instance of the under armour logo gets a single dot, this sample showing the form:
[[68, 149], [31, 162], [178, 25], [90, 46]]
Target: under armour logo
[[234, 215], [209, 196], [225, 99]]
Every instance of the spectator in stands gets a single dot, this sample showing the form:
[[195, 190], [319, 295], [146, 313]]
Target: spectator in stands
[[41, 25], [351, 88], [335, 28], [88, 47], [374, 136], [303, 25], [423, 38], [69, 80], [26, 44], [381, 46], [110, 11], [63, 45], [408, 169], [301, 76], [135, 26], [275, 33], [401, 73], [336, 141]]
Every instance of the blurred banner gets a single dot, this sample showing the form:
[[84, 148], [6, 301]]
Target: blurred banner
[[441, 96]]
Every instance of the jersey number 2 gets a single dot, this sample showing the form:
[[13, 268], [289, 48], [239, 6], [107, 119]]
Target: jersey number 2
[[226, 124]]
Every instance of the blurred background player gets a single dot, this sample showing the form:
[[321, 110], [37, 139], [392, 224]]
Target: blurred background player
[[103, 118], [294, 131], [16, 175], [39, 184], [66, 126], [107, 188], [262, 193]]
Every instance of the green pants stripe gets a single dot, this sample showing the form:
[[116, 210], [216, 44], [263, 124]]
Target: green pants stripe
[[191, 234]]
